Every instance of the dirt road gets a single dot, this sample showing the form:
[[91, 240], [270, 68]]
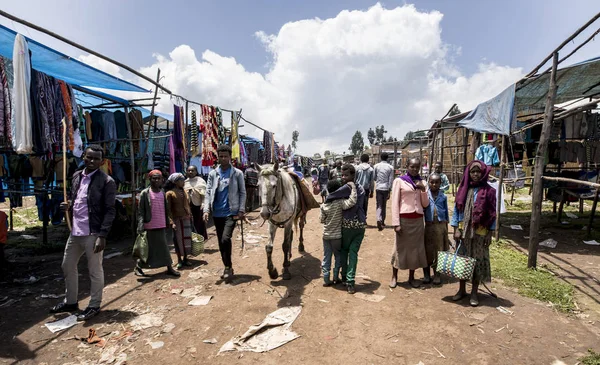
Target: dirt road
[[408, 326]]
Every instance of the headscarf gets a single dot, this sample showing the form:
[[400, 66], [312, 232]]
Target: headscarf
[[411, 179], [176, 177], [484, 209], [154, 172]]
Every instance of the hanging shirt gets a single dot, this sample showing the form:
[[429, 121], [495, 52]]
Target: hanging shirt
[[22, 120], [81, 218], [221, 204], [488, 154]]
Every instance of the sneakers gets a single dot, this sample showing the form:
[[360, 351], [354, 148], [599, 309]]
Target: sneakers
[[63, 307], [88, 313], [351, 289]]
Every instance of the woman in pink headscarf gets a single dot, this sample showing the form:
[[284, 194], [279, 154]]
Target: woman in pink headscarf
[[473, 220]]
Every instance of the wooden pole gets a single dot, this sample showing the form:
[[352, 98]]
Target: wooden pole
[[536, 208], [395, 156], [442, 145], [421, 155], [500, 188], [71, 43], [133, 170], [593, 212], [64, 163]]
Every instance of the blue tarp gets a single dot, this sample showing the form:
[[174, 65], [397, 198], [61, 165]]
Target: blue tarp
[[493, 116], [63, 67]]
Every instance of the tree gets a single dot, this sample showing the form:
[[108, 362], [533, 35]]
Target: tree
[[409, 135], [358, 143], [295, 135], [380, 134], [371, 136], [454, 111]]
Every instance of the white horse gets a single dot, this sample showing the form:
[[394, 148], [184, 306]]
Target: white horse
[[281, 206]]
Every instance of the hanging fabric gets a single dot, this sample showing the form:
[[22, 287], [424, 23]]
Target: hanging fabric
[[235, 143], [194, 145], [21, 121], [6, 105], [209, 136], [268, 145]]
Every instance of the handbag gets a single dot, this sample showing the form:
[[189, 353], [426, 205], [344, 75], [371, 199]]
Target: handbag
[[197, 244], [140, 248], [455, 265]]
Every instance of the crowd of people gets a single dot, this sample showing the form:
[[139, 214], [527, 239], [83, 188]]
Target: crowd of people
[[420, 219], [171, 209]]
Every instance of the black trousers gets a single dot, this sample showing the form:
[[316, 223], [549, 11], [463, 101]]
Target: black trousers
[[224, 227]]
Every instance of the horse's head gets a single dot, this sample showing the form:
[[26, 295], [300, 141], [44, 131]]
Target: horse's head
[[269, 183]]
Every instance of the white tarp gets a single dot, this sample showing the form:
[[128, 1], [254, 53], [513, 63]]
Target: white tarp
[[272, 332]]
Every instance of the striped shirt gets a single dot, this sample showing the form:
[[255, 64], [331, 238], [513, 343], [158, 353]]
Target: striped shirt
[[157, 204], [331, 216]]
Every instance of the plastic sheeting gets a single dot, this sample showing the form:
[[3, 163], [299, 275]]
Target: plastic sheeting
[[493, 116], [63, 67]]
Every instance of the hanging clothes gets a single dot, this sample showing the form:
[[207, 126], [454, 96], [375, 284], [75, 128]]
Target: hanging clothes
[[69, 115], [269, 146], [235, 143], [21, 121], [172, 167], [488, 154], [210, 137], [194, 131], [5, 107]]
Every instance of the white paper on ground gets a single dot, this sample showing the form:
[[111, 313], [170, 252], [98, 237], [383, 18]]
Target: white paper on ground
[[272, 332], [516, 227], [202, 300], [550, 243], [593, 243], [62, 324], [572, 215]]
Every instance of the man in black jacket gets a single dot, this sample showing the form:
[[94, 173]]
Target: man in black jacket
[[91, 206]]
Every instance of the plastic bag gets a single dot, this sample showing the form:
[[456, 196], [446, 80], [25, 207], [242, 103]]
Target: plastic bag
[[140, 248]]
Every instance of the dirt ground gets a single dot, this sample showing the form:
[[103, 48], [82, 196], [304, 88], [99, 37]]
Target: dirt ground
[[409, 326]]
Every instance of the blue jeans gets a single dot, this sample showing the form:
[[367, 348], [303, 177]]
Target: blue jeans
[[330, 247]]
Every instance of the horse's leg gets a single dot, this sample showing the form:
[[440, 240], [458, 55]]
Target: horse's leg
[[287, 251], [273, 274], [301, 239]]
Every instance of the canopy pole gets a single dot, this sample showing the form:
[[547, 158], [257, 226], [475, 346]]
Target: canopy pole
[[83, 48], [151, 116], [536, 206], [133, 170], [551, 55], [500, 188]]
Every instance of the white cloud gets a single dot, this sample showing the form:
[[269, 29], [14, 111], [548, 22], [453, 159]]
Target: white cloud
[[329, 78], [101, 64]]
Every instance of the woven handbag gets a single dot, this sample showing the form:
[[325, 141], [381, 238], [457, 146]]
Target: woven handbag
[[455, 265], [197, 244]]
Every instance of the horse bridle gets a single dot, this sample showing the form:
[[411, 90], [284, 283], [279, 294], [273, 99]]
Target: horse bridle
[[276, 205]]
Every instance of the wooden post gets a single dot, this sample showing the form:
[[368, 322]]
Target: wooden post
[[45, 218], [442, 145], [593, 212], [421, 155], [500, 189], [10, 219], [133, 170], [395, 156], [536, 208]]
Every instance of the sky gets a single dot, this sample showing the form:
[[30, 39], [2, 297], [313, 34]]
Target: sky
[[324, 68]]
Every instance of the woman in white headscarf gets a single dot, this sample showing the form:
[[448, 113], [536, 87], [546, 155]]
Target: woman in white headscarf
[[180, 214]]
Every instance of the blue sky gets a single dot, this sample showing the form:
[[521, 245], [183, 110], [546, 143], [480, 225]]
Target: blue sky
[[509, 33]]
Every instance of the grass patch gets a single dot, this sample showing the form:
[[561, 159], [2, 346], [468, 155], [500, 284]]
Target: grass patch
[[511, 266], [591, 359]]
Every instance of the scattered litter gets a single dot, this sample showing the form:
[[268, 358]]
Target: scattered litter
[[592, 242], [438, 351], [9, 302], [146, 321], [504, 310], [500, 329], [550, 243], [93, 338], [211, 341], [28, 237], [191, 292], [30, 280], [565, 222], [272, 332], [108, 355], [572, 215], [323, 300], [176, 291], [62, 324], [111, 255], [156, 345], [199, 274], [370, 297], [167, 328], [111, 286], [202, 300], [516, 227], [49, 296]]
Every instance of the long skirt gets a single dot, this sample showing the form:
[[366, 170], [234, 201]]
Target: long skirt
[[436, 239], [183, 235], [158, 251], [198, 217], [409, 251], [478, 248]]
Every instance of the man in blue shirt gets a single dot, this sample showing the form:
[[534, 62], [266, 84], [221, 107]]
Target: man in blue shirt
[[225, 199]]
